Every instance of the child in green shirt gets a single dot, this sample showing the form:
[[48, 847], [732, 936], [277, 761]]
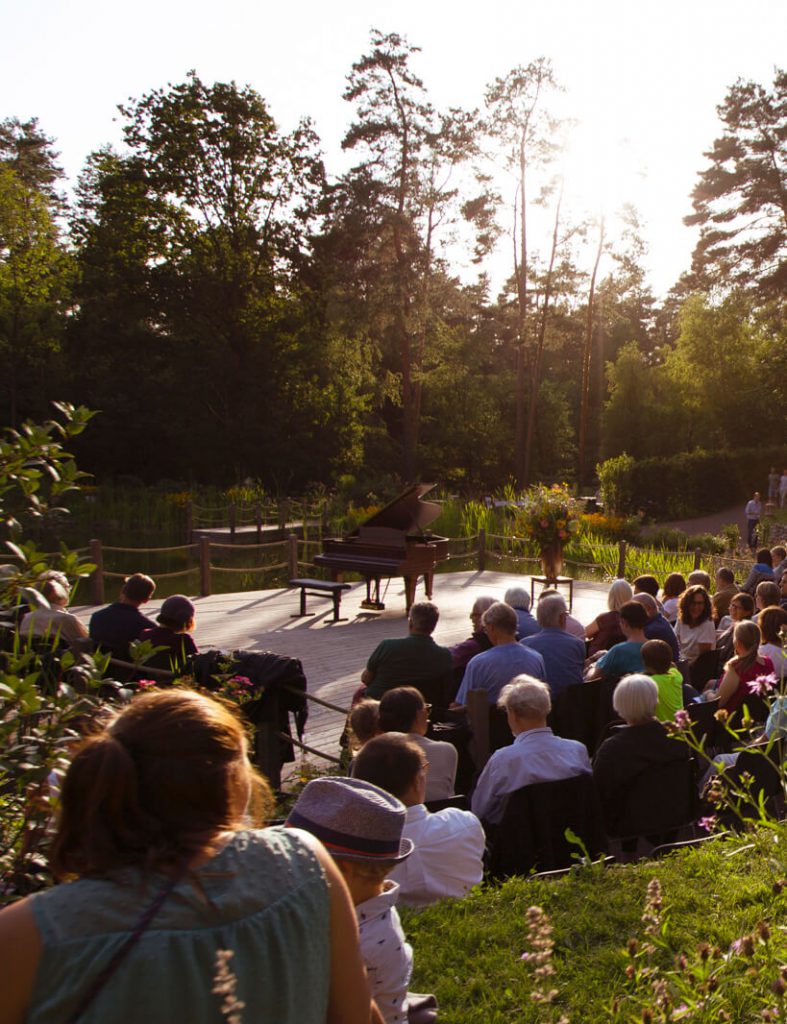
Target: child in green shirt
[[657, 659]]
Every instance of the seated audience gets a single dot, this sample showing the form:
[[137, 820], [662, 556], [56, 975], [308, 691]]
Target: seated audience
[[414, 660], [153, 826], [604, 631], [536, 755], [699, 578], [492, 669], [646, 585], [765, 596], [403, 710], [657, 627], [771, 622], [477, 642], [519, 599], [563, 654], [725, 591], [642, 744], [449, 844], [695, 630], [779, 561], [783, 590], [363, 722], [624, 657], [741, 608], [746, 665], [361, 827], [176, 621], [760, 571], [658, 663], [573, 626], [674, 585], [54, 624], [114, 627]]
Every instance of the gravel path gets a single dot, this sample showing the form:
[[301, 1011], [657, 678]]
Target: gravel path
[[709, 524]]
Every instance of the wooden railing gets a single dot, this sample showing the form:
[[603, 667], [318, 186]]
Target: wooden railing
[[482, 549]]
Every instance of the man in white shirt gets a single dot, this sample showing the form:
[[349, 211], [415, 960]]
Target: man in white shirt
[[536, 755], [449, 845], [403, 710]]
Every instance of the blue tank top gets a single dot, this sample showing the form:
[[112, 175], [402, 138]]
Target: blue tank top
[[263, 896]]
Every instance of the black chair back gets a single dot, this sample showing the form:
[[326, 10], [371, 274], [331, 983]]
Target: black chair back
[[659, 799], [532, 834]]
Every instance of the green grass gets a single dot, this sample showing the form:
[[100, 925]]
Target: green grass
[[468, 951]]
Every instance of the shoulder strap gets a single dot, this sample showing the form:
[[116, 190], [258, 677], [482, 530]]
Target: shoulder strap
[[125, 949]]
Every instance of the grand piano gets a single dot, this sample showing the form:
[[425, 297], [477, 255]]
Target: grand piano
[[392, 542]]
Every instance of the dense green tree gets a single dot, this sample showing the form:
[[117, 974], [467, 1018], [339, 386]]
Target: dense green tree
[[394, 204], [34, 278], [524, 135], [740, 201], [203, 228]]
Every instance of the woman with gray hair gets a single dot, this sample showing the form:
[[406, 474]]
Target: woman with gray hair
[[604, 631], [641, 744]]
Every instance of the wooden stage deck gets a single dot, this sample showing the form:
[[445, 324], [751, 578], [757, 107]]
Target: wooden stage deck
[[334, 654]]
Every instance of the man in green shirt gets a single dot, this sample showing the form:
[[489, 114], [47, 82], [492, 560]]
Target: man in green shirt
[[415, 660]]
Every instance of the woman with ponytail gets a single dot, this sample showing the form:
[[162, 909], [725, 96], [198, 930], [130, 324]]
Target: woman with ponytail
[[743, 668], [167, 897]]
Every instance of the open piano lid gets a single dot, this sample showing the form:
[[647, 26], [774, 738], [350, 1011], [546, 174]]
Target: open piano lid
[[407, 513]]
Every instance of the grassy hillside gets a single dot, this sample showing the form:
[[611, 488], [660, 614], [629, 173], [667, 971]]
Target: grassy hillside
[[469, 952]]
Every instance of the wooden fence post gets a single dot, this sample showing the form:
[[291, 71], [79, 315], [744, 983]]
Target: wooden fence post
[[292, 555], [482, 549], [189, 521], [622, 560], [97, 575], [697, 558], [204, 567], [258, 520], [232, 523]]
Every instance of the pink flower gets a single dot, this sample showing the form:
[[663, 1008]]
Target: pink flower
[[763, 685], [682, 719], [545, 523], [145, 684], [707, 823], [242, 681]]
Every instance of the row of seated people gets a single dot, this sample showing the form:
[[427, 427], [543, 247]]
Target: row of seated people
[[641, 782], [114, 628]]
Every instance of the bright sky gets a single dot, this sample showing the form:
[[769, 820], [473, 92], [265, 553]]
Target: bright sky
[[642, 78]]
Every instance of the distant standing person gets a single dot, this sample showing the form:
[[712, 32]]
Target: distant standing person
[[783, 489], [114, 627], [773, 484], [753, 513]]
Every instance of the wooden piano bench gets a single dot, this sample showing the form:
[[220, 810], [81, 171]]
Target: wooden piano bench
[[320, 588]]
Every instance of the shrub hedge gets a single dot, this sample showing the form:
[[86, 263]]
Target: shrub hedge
[[687, 484]]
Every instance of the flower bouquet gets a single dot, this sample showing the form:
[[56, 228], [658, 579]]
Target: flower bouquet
[[549, 516]]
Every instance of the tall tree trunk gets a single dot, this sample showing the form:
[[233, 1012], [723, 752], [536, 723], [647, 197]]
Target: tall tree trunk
[[535, 376], [586, 360], [521, 268]]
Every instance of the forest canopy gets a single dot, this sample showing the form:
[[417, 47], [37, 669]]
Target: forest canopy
[[234, 310]]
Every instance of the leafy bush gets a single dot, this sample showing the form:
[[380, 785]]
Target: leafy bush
[[687, 484]]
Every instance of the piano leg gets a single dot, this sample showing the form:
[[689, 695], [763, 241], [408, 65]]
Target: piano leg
[[373, 603], [410, 583], [428, 581]]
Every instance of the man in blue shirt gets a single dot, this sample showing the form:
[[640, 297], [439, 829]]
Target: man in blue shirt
[[536, 755], [492, 669], [519, 599], [563, 654]]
